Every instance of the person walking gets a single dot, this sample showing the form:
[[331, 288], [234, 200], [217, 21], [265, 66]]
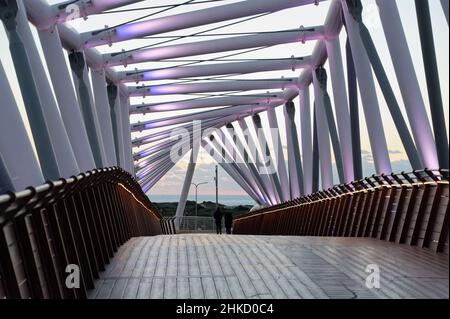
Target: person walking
[[228, 222], [218, 219]]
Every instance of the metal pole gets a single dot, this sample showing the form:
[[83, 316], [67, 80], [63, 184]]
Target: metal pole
[[307, 139], [281, 163], [444, 4], [187, 183], [433, 82], [6, 184], [196, 202], [341, 106], [217, 186], [64, 154], [249, 162], [315, 156], [354, 113], [103, 109], [79, 69], [294, 159], [323, 135], [253, 148], [196, 206], [368, 95], [321, 75], [267, 156], [409, 85], [16, 149], [112, 98], [386, 88], [67, 100], [27, 83]]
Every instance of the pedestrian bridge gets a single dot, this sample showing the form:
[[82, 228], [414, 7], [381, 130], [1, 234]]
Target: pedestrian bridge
[[93, 117]]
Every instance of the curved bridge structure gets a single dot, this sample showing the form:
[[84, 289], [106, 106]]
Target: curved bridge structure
[[89, 126]]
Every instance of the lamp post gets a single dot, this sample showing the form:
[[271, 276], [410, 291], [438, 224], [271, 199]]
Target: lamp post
[[196, 199]]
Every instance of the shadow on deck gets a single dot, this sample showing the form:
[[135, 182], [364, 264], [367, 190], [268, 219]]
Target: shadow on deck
[[236, 267]]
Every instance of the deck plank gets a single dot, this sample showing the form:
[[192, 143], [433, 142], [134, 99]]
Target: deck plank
[[198, 266]]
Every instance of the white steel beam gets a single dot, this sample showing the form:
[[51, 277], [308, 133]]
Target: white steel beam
[[279, 154], [306, 136], [16, 149], [104, 115], [187, 20], [409, 85], [198, 103], [67, 100], [212, 46], [47, 16], [187, 182], [323, 132], [216, 69], [65, 157], [216, 86], [369, 96], [241, 109], [341, 106]]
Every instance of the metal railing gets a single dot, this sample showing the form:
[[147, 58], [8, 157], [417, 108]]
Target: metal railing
[[193, 224], [406, 208], [78, 222]]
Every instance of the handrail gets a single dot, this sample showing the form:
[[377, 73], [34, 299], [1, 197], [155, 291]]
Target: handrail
[[79, 222], [377, 206]]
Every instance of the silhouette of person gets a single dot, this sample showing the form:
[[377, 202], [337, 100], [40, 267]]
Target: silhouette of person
[[228, 222], [218, 219]]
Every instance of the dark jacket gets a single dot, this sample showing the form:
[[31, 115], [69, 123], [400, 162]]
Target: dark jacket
[[228, 220], [218, 215]]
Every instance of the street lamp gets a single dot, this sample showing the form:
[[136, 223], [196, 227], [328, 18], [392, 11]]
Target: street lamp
[[196, 199]]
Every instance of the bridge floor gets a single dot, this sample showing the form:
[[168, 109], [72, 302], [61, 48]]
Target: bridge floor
[[210, 266]]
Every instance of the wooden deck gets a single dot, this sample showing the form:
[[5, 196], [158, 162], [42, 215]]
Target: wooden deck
[[230, 267]]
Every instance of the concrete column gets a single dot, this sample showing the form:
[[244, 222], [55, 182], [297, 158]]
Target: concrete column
[[342, 107], [16, 150], [104, 113], [368, 95], [30, 95], [295, 158], [279, 153], [307, 140], [67, 100]]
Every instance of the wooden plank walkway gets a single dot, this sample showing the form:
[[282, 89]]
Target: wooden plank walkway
[[228, 267]]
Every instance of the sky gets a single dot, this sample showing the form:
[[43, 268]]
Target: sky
[[309, 15]]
